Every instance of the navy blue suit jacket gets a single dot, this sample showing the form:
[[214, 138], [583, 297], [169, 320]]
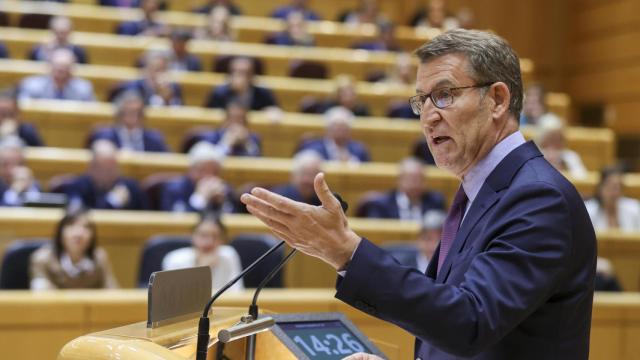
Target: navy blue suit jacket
[[152, 139], [176, 194], [29, 134], [215, 136], [84, 189], [146, 93], [518, 281], [135, 27], [221, 95], [37, 54], [386, 206], [356, 149]]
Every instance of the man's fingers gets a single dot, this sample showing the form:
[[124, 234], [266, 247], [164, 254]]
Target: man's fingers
[[265, 208], [277, 201], [272, 223], [324, 193]]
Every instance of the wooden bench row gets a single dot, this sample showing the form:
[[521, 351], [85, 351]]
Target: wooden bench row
[[67, 124], [248, 28]]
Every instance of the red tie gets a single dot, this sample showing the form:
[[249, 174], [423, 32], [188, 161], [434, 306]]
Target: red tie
[[451, 225]]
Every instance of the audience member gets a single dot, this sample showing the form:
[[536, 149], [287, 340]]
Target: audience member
[[403, 72], [347, 97], [4, 53], [306, 165], [385, 41], [232, 8], [606, 279], [240, 87], [368, 12], [202, 188], [180, 58], [155, 85], [337, 144], [533, 106], [61, 28], [218, 26], [120, 3], [295, 34], [128, 132], [73, 260], [233, 138], [208, 248], [421, 151], [16, 179], [59, 84], [300, 6], [102, 186], [609, 208], [12, 125], [149, 25], [411, 199], [550, 138], [466, 18], [435, 16], [429, 237]]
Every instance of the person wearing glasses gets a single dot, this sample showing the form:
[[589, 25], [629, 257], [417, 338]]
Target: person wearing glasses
[[513, 275]]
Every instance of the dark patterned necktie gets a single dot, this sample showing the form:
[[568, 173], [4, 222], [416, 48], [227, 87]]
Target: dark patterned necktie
[[451, 225]]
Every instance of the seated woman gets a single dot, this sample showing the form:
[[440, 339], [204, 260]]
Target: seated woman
[[208, 238], [74, 260]]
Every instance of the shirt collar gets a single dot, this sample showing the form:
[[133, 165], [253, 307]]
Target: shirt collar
[[475, 178]]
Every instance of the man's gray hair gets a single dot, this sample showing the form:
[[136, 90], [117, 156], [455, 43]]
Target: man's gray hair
[[492, 59]]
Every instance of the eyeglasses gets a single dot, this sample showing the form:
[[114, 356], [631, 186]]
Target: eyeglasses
[[441, 98]]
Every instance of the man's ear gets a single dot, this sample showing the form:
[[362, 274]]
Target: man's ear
[[501, 96]]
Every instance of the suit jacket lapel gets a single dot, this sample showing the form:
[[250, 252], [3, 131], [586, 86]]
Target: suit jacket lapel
[[489, 194]]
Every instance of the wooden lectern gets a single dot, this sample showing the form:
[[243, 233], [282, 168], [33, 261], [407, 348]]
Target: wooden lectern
[[175, 299]]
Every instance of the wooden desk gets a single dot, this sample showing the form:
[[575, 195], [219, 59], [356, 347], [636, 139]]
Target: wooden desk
[[51, 319], [124, 233], [67, 124], [248, 28]]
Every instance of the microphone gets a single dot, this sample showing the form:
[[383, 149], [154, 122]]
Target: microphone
[[202, 344]]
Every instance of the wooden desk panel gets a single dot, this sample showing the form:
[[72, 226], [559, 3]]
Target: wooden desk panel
[[66, 124], [615, 323]]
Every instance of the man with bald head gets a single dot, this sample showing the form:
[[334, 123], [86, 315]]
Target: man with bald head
[[513, 275], [102, 186], [60, 83]]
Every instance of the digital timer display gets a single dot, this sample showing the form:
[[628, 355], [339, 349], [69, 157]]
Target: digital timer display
[[323, 340]]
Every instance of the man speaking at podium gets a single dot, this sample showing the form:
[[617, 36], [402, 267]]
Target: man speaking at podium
[[513, 276]]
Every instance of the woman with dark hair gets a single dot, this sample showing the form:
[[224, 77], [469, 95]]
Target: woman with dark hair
[[609, 208], [73, 261], [208, 239]]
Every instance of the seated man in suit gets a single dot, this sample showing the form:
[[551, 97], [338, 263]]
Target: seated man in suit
[[102, 186], [227, 4], [346, 96], [337, 145], [233, 138], [12, 125], [201, 189], [180, 58], [16, 179], [61, 28], [306, 165], [301, 6], [60, 83], [385, 41], [217, 27], [128, 132], [410, 200], [295, 34], [513, 277], [241, 87], [155, 85], [149, 26]]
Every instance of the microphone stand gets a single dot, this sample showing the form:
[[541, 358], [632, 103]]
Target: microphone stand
[[202, 345], [253, 308]]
